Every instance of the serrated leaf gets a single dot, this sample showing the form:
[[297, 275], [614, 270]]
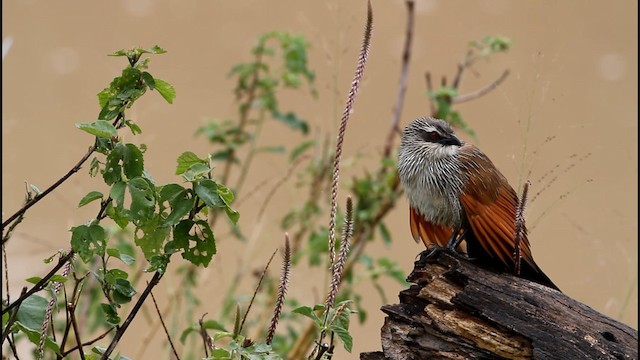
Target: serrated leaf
[[186, 160], [127, 259], [110, 314], [196, 172], [99, 128], [112, 171], [153, 237], [344, 336], [207, 190], [132, 161], [149, 80], [196, 241], [166, 90], [117, 193], [135, 128], [93, 195], [308, 312], [142, 199], [88, 241]]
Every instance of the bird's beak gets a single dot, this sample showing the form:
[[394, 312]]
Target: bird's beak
[[452, 140]]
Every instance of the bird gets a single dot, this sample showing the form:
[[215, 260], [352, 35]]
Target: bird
[[457, 194]]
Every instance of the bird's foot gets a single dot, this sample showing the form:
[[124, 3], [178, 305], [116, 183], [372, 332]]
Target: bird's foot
[[434, 250]]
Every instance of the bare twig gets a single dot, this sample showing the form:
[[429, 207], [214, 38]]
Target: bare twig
[[206, 339], [41, 284], [255, 292], [121, 330], [404, 74], [155, 304], [90, 342], [432, 105], [12, 319], [282, 289], [74, 323], [483, 91]]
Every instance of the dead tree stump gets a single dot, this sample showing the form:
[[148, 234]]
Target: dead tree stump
[[457, 310]]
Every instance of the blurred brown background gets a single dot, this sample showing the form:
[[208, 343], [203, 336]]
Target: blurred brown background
[[573, 77]]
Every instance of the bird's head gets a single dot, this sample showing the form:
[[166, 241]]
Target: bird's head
[[430, 136]]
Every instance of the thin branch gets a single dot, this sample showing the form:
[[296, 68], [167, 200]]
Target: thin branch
[[255, 292], [41, 284], [432, 105], [90, 342], [121, 330], [39, 197], [155, 304], [483, 91], [206, 339], [468, 60], [74, 323], [404, 74], [12, 319]]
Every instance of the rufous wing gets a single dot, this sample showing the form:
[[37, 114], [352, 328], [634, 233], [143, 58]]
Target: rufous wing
[[426, 231], [490, 204]]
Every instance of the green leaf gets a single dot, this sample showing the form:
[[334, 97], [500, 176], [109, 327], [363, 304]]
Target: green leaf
[[112, 171], [34, 337], [308, 312], [207, 190], [385, 234], [93, 195], [186, 160], [157, 50], [58, 278], [132, 162], [143, 199], [88, 241], [127, 259], [213, 325], [110, 314], [196, 241], [166, 90], [300, 149], [100, 128], [135, 128], [272, 149], [233, 215], [123, 291], [153, 236], [149, 80], [117, 193], [32, 311], [34, 279], [196, 172], [292, 121], [344, 336]]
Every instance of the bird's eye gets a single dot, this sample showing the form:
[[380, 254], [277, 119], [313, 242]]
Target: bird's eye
[[430, 136]]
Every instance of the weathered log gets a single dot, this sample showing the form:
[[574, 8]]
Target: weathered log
[[457, 310]]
